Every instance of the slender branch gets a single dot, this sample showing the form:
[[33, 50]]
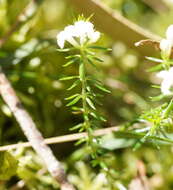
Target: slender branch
[[31, 132], [86, 119], [62, 139]]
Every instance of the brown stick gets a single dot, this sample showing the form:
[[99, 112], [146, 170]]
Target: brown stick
[[31, 132], [62, 139]]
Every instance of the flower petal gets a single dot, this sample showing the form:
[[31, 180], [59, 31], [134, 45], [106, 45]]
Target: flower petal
[[169, 34], [93, 37], [167, 81], [61, 39], [166, 46]]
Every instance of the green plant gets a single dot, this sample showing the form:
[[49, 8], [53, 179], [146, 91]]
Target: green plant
[[81, 36]]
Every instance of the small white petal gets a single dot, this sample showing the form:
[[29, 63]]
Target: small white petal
[[94, 36], [165, 46], [171, 71], [70, 31], [162, 74], [61, 39], [165, 87], [169, 34], [67, 35], [167, 81], [83, 28], [86, 32]]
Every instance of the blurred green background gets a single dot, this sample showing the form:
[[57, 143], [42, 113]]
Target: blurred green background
[[34, 66]]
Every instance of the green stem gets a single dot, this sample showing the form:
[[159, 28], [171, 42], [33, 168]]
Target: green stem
[[82, 73], [87, 122]]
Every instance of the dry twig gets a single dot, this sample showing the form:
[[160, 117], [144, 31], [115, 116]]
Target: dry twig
[[31, 132], [62, 139]]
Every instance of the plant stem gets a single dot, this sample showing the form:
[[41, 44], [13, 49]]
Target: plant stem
[[87, 122], [84, 95]]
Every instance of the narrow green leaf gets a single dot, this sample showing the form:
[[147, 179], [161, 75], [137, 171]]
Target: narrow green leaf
[[93, 80], [154, 59], [88, 88], [69, 78], [89, 52], [97, 116], [70, 63], [155, 68], [90, 103], [77, 109], [77, 112], [103, 166], [81, 129], [73, 56], [157, 98], [155, 86], [74, 85], [80, 141], [64, 50], [97, 59], [74, 101], [102, 88], [72, 96], [101, 48], [76, 126]]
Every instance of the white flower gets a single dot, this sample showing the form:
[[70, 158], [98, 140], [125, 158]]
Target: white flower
[[78, 34], [167, 81], [169, 33], [167, 44]]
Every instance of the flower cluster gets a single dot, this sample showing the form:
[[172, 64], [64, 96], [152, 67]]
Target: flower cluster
[[166, 46], [80, 33]]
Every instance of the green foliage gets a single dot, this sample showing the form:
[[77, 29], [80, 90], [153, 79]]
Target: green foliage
[[34, 66], [8, 165], [88, 97]]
